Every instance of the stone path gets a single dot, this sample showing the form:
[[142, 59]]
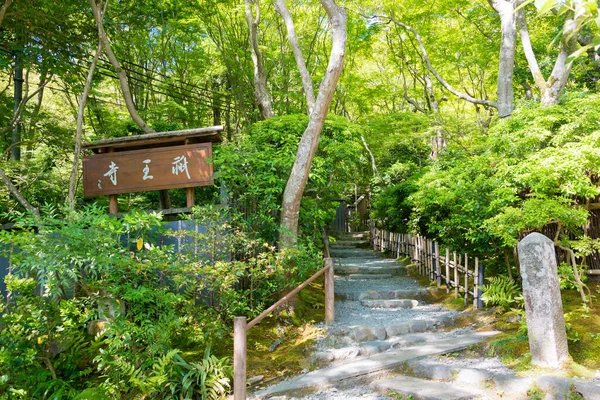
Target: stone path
[[383, 325]]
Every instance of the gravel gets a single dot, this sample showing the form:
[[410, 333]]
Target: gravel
[[492, 365], [358, 392]]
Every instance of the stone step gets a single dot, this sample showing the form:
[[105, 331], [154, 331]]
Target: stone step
[[364, 333], [394, 294], [471, 373], [390, 303], [353, 252], [366, 262], [352, 235], [351, 242], [362, 277], [332, 375], [354, 269], [420, 389], [353, 350]]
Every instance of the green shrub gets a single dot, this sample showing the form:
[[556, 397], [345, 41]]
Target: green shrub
[[502, 291], [97, 309]]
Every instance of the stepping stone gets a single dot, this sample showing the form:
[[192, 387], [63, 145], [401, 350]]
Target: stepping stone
[[329, 376], [395, 303], [423, 389]]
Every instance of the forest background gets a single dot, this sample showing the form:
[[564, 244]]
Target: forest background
[[472, 122]]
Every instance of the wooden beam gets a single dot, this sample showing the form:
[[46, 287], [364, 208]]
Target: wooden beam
[[156, 137]]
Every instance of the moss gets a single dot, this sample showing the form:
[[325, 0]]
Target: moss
[[293, 326], [583, 324], [583, 332], [535, 393]]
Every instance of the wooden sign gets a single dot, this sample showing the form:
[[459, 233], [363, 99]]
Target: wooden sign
[[151, 169]]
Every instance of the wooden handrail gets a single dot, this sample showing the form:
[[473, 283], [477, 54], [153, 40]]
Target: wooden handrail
[[288, 296], [241, 328]]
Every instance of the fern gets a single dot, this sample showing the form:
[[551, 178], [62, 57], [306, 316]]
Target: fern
[[502, 291], [208, 379]]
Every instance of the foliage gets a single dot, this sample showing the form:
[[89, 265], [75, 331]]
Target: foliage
[[256, 169], [502, 291], [96, 302]]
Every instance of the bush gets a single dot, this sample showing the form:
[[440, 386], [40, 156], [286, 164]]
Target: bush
[[97, 307]]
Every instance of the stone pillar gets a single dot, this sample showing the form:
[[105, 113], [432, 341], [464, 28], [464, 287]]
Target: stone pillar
[[543, 303]]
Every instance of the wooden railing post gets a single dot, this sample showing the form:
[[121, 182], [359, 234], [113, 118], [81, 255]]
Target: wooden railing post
[[329, 292], [239, 358]]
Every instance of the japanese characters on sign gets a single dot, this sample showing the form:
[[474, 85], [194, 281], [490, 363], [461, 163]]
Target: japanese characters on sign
[[152, 169]]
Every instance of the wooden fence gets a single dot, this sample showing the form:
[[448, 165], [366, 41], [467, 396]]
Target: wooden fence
[[457, 271]]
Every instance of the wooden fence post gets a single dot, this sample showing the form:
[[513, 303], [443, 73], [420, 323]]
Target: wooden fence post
[[480, 277], [466, 270], [456, 284], [239, 358], [329, 292], [438, 266], [476, 285], [447, 270]]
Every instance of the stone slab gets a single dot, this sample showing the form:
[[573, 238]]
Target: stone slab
[[393, 294], [424, 390], [369, 276], [394, 303], [362, 366], [356, 269]]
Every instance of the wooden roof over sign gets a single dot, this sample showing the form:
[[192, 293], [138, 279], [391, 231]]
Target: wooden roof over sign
[[159, 139]]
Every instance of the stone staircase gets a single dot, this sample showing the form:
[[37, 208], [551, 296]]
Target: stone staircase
[[388, 341]]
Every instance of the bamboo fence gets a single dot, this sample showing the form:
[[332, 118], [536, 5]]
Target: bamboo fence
[[457, 272]]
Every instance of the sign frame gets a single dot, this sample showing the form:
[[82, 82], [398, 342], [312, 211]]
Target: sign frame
[[195, 155]]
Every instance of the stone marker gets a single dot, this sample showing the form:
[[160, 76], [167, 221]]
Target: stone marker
[[543, 304]]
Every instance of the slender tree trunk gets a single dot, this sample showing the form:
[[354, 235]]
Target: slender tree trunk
[[260, 77], [552, 88], [18, 99], [307, 83], [373, 164], [79, 129], [7, 4], [99, 16], [506, 67], [309, 142], [562, 67], [15, 192]]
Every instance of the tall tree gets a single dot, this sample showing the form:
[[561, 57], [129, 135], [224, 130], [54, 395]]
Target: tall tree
[[79, 127], [307, 83], [292, 196], [261, 91], [99, 17], [508, 43], [551, 88]]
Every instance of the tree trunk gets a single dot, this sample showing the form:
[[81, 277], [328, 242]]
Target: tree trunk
[[508, 45], [562, 67], [79, 129], [552, 88], [7, 4], [99, 16], [309, 142], [260, 77], [15, 192], [18, 99], [307, 82]]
